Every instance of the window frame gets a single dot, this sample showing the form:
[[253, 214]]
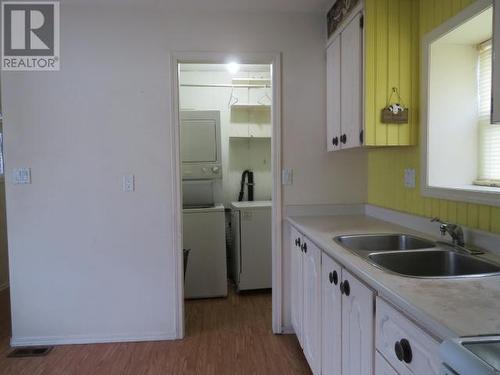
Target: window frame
[[473, 193]]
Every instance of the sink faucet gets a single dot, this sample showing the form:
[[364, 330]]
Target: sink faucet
[[454, 230]]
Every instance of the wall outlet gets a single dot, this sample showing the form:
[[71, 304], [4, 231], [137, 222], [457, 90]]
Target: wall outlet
[[287, 176], [410, 178], [128, 183], [22, 176]]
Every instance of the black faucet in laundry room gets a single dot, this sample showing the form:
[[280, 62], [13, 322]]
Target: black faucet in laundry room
[[248, 176]]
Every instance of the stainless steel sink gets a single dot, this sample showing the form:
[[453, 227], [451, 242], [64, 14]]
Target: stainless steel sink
[[382, 242], [434, 264]]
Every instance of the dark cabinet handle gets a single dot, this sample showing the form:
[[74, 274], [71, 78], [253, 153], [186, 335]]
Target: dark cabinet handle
[[297, 241], [347, 288], [403, 351], [334, 278], [304, 247], [335, 141], [341, 287], [343, 139]]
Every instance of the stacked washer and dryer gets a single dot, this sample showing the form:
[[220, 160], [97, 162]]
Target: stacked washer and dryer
[[204, 229], [203, 215]]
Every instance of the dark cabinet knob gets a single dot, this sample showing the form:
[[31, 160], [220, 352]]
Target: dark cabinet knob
[[304, 247], [297, 241], [403, 351], [335, 141], [341, 287], [334, 278], [343, 139], [347, 288]]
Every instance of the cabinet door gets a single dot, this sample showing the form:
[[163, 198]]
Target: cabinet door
[[333, 95], [311, 329], [351, 83], [296, 283], [357, 327], [496, 64], [331, 317], [382, 367]]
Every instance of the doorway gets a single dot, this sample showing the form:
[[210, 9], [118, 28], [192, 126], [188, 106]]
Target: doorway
[[227, 155]]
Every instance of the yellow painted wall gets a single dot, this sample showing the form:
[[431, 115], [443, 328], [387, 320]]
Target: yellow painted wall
[[386, 165], [391, 49]]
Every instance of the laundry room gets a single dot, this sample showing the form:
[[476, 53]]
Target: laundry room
[[227, 183]]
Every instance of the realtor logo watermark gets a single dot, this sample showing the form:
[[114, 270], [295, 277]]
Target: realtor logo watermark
[[30, 35]]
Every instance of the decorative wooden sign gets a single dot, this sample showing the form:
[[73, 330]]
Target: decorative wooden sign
[[394, 113], [338, 13]]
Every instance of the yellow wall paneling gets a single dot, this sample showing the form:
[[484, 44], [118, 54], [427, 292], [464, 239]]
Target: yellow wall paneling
[[386, 165]]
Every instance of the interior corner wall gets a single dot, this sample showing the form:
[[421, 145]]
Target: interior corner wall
[[90, 263]]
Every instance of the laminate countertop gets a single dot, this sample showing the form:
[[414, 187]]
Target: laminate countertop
[[446, 308]]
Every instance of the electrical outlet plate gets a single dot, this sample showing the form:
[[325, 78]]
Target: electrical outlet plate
[[22, 176], [128, 183], [287, 176], [410, 178]]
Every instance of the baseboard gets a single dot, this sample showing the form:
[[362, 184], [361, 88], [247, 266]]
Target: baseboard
[[287, 330], [76, 340], [324, 209], [485, 240]]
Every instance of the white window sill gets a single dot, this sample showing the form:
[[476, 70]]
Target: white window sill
[[465, 193]]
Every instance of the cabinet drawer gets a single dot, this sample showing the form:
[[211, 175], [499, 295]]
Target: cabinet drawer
[[382, 367], [397, 336]]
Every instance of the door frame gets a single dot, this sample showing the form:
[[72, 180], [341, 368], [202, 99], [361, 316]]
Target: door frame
[[274, 59]]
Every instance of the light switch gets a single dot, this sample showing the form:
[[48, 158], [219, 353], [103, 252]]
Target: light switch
[[287, 176], [128, 183], [410, 178], [22, 176]]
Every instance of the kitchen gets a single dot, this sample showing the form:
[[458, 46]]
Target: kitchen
[[369, 128]]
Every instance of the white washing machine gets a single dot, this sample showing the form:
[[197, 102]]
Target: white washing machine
[[204, 234], [251, 256]]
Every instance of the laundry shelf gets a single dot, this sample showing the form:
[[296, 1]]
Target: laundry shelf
[[251, 107]]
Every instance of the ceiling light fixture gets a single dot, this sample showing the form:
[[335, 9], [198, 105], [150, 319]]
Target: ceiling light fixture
[[233, 67]]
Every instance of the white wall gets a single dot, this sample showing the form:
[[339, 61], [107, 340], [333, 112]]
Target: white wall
[[88, 262], [4, 263], [238, 154]]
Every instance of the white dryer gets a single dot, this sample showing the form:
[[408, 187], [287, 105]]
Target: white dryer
[[251, 256]]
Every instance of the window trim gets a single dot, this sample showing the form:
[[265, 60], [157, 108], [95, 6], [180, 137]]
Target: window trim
[[466, 193]]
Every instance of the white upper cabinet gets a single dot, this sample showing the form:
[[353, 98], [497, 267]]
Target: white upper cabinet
[[496, 63], [297, 283], [311, 329], [345, 86], [333, 95], [357, 326], [351, 83], [331, 317]]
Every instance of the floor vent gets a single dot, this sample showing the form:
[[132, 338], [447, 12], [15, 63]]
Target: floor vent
[[30, 352]]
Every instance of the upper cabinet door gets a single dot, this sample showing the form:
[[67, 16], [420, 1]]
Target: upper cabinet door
[[496, 64], [351, 86], [357, 327], [331, 317], [296, 283], [311, 329], [333, 95]]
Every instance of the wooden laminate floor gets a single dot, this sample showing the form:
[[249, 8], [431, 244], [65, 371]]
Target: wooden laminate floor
[[224, 336]]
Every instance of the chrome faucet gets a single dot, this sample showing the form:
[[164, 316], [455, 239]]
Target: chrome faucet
[[454, 230]]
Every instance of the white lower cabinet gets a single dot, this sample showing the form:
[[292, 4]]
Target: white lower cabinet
[[382, 367], [311, 323], [342, 331], [405, 346], [331, 317], [297, 283], [357, 326]]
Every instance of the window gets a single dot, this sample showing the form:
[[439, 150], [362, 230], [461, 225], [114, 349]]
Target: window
[[489, 134], [460, 147]]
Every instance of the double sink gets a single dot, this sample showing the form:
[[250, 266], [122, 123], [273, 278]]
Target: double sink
[[411, 256]]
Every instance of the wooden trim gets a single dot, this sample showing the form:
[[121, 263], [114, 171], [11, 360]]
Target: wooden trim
[[273, 58]]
